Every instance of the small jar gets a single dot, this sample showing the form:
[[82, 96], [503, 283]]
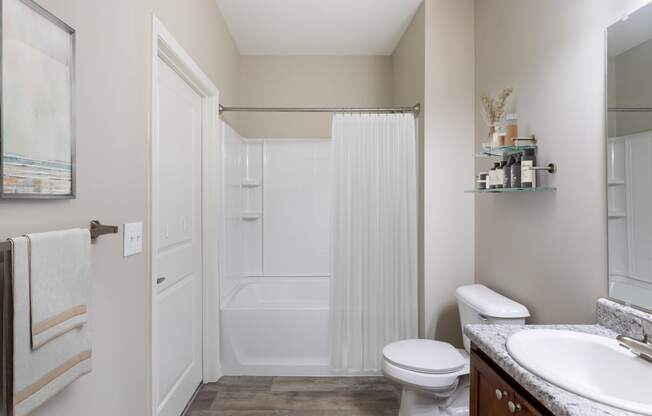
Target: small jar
[[499, 139], [511, 129]]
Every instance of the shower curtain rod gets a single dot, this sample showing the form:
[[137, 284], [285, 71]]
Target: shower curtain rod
[[415, 110]]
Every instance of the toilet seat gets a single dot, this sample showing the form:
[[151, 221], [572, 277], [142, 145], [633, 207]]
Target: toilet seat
[[425, 364], [424, 356]]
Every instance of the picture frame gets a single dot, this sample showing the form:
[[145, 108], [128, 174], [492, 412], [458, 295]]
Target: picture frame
[[37, 103]]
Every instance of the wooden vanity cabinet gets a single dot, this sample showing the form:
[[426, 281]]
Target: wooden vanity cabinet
[[495, 393]]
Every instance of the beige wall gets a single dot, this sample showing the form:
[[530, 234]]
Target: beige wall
[[408, 63], [548, 250], [113, 50], [309, 81], [449, 117], [632, 88], [408, 67]]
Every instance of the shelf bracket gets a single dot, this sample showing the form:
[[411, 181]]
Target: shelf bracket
[[532, 139], [551, 168]]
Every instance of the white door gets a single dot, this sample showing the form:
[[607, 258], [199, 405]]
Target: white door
[[178, 246]]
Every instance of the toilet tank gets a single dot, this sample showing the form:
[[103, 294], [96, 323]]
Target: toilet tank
[[478, 304]]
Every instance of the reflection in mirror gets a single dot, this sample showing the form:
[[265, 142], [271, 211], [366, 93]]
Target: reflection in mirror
[[629, 158]]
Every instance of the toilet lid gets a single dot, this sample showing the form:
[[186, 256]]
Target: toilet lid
[[424, 356]]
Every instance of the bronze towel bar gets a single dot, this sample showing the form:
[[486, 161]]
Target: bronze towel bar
[[96, 228], [6, 309]]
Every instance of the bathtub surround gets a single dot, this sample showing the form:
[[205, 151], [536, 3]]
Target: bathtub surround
[[296, 197], [304, 208], [612, 318], [232, 249], [276, 325], [374, 237], [276, 255]]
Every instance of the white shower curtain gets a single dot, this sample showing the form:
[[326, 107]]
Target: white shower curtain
[[374, 237]]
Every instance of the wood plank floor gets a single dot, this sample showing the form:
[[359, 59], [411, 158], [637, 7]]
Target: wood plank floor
[[297, 396]]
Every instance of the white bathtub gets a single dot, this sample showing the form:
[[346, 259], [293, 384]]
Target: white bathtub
[[276, 326]]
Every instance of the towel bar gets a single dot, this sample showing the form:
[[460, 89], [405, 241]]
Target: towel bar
[[6, 310], [96, 228]]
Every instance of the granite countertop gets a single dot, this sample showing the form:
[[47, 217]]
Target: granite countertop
[[491, 339]]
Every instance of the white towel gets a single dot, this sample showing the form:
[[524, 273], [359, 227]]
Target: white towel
[[40, 374], [59, 268]]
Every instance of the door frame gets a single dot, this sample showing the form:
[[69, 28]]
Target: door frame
[[165, 47]]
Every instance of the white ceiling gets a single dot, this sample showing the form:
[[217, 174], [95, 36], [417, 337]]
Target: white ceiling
[[318, 27]]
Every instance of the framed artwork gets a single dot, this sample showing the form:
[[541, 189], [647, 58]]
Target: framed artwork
[[37, 120]]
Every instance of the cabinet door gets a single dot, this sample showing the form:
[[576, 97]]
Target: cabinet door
[[524, 407], [490, 395], [494, 395]]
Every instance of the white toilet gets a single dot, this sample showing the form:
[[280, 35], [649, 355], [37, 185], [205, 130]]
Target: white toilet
[[435, 375]]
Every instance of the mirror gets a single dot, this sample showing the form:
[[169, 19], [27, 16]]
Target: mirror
[[629, 158]]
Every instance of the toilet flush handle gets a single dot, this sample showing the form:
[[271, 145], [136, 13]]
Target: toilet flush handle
[[483, 318]]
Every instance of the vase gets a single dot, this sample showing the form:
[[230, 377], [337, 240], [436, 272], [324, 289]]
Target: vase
[[492, 130]]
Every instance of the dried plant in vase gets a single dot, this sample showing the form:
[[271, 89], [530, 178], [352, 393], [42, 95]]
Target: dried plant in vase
[[493, 109]]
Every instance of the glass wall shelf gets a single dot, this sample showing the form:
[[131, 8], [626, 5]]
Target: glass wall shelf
[[511, 190], [505, 151]]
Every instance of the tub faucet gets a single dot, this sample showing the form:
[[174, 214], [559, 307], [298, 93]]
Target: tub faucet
[[642, 348]]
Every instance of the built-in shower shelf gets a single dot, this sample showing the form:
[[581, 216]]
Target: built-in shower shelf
[[617, 214], [251, 216], [250, 183]]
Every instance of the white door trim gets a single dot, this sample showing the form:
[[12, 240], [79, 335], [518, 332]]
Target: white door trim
[[165, 47]]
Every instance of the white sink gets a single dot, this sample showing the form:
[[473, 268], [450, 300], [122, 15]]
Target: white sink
[[591, 366]]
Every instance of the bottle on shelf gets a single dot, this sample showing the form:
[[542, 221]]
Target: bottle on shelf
[[493, 179], [528, 173], [498, 137], [511, 129], [516, 172], [507, 176], [500, 175], [482, 180]]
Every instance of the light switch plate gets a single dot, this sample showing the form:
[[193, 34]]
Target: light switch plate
[[133, 238]]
